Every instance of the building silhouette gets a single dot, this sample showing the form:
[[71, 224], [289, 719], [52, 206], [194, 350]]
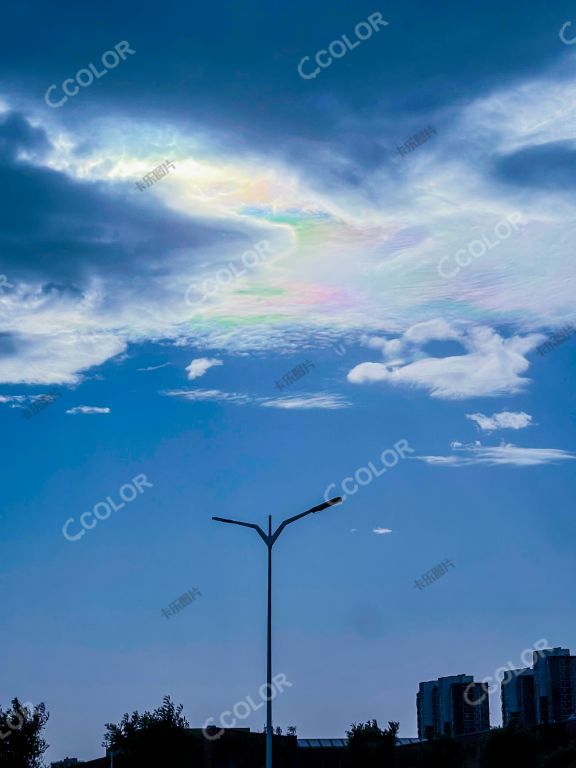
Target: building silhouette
[[452, 706], [542, 694], [518, 699], [554, 685]]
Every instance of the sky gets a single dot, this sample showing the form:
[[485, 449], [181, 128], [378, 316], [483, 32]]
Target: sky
[[299, 304]]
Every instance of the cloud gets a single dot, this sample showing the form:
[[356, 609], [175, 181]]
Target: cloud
[[94, 258], [55, 357], [153, 367], [498, 455], [87, 409], [491, 366], [200, 365], [431, 330], [381, 531], [306, 402], [203, 395], [326, 401], [412, 339], [13, 400], [18, 401], [502, 420]]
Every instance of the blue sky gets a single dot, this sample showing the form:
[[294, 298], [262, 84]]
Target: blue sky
[[417, 289]]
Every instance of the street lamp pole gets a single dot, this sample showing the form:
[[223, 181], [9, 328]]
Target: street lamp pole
[[270, 539], [269, 655]]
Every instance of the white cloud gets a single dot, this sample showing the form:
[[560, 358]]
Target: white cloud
[[200, 365], [330, 402], [153, 367], [498, 455], [491, 366], [13, 400], [305, 402], [431, 330], [502, 420], [388, 347], [87, 409], [17, 401], [416, 335], [199, 395], [57, 358], [381, 531]]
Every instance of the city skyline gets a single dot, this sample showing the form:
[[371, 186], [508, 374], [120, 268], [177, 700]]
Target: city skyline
[[452, 706]]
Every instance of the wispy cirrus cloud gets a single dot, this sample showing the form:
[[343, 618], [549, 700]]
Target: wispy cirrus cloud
[[307, 402], [505, 454], [200, 365], [153, 367], [302, 402], [88, 410], [18, 401], [14, 401], [206, 395], [381, 531], [502, 420]]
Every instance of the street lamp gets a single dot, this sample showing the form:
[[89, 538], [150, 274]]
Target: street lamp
[[270, 539]]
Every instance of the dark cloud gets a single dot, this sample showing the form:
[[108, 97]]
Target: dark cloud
[[16, 134], [61, 230], [547, 166], [8, 344], [232, 67]]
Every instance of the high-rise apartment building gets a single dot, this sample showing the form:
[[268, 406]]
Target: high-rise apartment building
[[452, 706], [554, 685], [545, 693], [518, 701]]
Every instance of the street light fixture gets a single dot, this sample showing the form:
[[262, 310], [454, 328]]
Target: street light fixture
[[270, 539]]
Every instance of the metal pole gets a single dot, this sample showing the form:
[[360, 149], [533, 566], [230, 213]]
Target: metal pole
[[269, 540], [269, 653]]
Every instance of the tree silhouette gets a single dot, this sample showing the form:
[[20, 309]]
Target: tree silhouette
[[508, 746], [21, 742], [564, 757], [153, 739], [443, 751], [371, 747]]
